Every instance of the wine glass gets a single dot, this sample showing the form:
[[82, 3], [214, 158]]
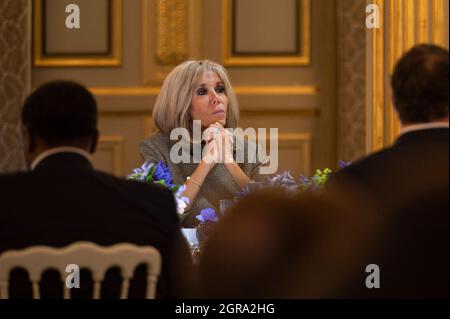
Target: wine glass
[[225, 205]]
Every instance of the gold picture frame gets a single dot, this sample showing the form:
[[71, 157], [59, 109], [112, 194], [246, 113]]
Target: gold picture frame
[[300, 58], [113, 58]]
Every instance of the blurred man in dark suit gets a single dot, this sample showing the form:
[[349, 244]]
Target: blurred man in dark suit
[[63, 199], [405, 177]]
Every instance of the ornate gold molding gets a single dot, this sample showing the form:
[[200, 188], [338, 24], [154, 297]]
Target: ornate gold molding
[[410, 24], [302, 113], [300, 59], [239, 90], [377, 138], [270, 99], [423, 21], [276, 90], [171, 33], [171, 26], [133, 91], [439, 9], [395, 34], [111, 60]]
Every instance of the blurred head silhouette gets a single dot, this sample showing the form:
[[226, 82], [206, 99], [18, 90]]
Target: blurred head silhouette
[[273, 245], [420, 85], [59, 113]]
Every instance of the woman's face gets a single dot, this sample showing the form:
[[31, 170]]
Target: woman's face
[[209, 101]]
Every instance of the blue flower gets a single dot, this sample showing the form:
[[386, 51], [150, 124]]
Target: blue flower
[[160, 174], [305, 183], [163, 175], [304, 180], [343, 164], [207, 214], [284, 181], [142, 172]]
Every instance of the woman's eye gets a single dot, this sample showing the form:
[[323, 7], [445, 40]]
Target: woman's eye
[[220, 89], [201, 92]]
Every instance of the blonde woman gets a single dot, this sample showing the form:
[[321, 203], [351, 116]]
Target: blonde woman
[[200, 91]]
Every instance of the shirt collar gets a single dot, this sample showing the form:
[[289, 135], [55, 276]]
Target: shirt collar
[[58, 150], [424, 126]]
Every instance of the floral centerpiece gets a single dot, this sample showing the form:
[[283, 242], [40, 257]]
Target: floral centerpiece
[[316, 182], [320, 177], [160, 174], [285, 181]]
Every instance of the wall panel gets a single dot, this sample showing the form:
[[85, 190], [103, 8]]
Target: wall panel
[[299, 99]]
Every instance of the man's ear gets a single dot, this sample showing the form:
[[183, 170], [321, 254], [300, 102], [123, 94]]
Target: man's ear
[[94, 142], [29, 141]]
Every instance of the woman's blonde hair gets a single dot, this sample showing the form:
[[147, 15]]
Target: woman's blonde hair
[[171, 109]]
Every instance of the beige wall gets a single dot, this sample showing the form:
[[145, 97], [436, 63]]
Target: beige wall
[[298, 99], [14, 79], [323, 103]]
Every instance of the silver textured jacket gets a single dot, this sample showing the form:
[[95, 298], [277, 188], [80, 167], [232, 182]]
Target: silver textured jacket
[[219, 184]]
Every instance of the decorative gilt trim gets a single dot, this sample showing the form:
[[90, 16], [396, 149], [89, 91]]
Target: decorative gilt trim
[[302, 59], [395, 32], [171, 26], [439, 9], [410, 27], [126, 112], [169, 38], [239, 90], [132, 91], [113, 144], [377, 140], [272, 112], [276, 90], [141, 99], [112, 60], [423, 20], [395, 51]]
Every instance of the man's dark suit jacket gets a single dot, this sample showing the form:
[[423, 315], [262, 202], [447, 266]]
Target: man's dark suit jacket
[[409, 182], [416, 164], [64, 200]]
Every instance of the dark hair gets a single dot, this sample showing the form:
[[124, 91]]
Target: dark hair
[[60, 112], [420, 84], [275, 245]]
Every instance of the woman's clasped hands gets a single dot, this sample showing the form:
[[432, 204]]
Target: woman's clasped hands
[[219, 144]]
